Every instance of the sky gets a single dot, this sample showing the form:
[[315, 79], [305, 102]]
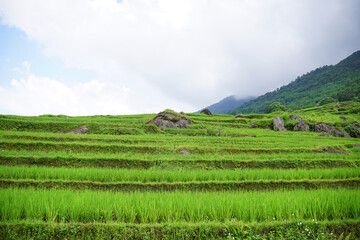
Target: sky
[[99, 57]]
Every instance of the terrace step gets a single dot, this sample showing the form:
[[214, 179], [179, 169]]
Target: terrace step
[[178, 230], [183, 186], [199, 149], [196, 164]]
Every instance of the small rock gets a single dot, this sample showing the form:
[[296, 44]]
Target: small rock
[[357, 145], [278, 123], [330, 130], [80, 130], [295, 117], [254, 125], [184, 152], [301, 126], [324, 134], [342, 117], [206, 111], [334, 151]]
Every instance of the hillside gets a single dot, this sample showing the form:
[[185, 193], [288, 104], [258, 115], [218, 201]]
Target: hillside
[[227, 104], [341, 82], [220, 178]]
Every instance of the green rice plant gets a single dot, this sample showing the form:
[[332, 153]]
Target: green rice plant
[[197, 145], [245, 136], [173, 161], [154, 175], [217, 153], [193, 157], [150, 207]]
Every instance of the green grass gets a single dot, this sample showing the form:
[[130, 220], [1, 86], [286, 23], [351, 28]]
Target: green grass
[[323, 230], [150, 207], [179, 162], [146, 176], [250, 136], [175, 164], [196, 157], [203, 186], [166, 148]]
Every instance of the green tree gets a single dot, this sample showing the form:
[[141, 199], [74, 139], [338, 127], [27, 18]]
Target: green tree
[[326, 101], [274, 107]]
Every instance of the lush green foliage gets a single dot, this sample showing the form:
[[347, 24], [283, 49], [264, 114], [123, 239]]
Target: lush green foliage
[[327, 100], [275, 107]]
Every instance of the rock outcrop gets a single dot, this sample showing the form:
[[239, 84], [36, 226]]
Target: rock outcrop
[[324, 129], [278, 124], [357, 126], [171, 119], [330, 130], [206, 111], [295, 117], [301, 126], [79, 130]]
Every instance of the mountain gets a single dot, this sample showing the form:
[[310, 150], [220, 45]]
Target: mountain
[[227, 104], [340, 82]]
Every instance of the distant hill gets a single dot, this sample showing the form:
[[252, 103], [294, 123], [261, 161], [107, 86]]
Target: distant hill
[[340, 82], [227, 104]]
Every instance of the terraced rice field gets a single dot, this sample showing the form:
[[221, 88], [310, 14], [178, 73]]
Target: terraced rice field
[[218, 179]]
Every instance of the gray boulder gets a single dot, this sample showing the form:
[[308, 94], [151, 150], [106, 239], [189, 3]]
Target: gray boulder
[[357, 126], [79, 130], [330, 130], [206, 111], [170, 119], [278, 124], [295, 117], [301, 126]]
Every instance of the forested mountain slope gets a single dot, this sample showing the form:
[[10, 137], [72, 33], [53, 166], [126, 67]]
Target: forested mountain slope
[[227, 104], [340, 82]]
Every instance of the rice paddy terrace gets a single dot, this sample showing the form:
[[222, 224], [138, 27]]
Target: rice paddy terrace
[[218, 179]]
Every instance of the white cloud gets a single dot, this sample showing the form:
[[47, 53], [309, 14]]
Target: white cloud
[[27, 66], [191, 52], [35, 95]]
